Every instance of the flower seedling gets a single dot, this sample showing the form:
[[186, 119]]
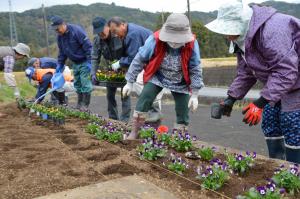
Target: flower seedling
[[288, 178], [92, 128], [151, 149], [181, 142], [206, 153], [177, 165], [213, 176], [110, 133], [146, 132], [270, 191], [239, 163]]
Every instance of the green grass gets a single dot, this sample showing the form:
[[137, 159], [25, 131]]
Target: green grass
[[7, 93], [221, 59]]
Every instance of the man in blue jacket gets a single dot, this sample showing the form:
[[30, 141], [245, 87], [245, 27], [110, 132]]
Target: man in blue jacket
[[134, 37], [74, 44], [43, 62]]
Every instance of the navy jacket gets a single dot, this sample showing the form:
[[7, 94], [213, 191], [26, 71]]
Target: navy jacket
[[135, 38], [75, 45], [48, 62]]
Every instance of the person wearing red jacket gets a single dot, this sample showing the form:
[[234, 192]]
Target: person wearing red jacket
[[170, 59]]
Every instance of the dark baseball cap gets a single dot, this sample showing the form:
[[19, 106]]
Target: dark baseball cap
[[98, 24], [56, 21]]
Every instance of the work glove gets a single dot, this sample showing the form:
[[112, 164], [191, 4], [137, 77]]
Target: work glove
[[253, 112], [226, 105], [60, 68], [127, 89], [193, 102], [115, 66], [89, 65], [94, 79]]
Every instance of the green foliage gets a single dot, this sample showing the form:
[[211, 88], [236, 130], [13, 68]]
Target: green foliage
[[254, 194], [146, 132], [92, 128], [149, 151], [240, 163], [177, 167], [180, 143], [112, 135], [206, 153], [288, 179], [213, 177]]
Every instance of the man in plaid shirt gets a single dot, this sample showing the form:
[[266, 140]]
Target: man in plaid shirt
[[8, 55]]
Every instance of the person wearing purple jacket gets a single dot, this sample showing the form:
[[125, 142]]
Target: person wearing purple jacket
[[267, 45]]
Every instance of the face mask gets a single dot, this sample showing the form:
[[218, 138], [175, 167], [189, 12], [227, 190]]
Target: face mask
[[175, 45]]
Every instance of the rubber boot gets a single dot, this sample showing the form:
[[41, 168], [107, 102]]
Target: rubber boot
[[61, 98], [79, 100], [292, 154], [138, 121], [276, 147], [86, 101]]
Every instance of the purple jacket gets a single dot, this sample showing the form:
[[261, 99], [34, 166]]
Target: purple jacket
[[272, 50]]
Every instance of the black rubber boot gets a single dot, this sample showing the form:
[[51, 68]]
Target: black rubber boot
[[86, 101], [276, 148], [61, 98], [79, 100], [293, 154]]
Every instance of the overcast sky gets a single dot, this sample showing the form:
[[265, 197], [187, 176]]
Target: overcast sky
[[148, 5]]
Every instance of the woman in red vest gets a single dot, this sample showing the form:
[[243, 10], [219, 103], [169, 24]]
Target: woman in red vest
[[171, 59]]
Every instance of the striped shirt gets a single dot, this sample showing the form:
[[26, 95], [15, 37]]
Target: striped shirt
[[9, 62]]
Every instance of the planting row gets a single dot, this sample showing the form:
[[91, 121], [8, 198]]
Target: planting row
[[176, 151]]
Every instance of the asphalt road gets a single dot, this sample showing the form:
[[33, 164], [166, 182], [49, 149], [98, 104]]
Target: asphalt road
[[227, 132]]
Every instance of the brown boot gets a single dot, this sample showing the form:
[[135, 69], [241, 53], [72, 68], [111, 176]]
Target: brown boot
[[138, 121]]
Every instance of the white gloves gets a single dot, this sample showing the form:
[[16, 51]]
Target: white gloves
[[127, 89], [115, 66], [193, 102]]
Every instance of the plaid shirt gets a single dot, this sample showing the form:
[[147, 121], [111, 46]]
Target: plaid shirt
[[9, 62]]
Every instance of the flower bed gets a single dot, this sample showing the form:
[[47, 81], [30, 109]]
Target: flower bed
[[239, 175]]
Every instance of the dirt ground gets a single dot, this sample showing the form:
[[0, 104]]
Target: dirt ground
[[38, 158]]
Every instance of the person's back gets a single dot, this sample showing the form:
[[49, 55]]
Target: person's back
[[6, 51]]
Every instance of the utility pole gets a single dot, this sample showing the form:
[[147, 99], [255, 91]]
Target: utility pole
[[162, 17], [46, 30], [12, 26], [189, 12]]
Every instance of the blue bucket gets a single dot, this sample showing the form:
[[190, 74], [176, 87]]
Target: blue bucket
[[57, 81]]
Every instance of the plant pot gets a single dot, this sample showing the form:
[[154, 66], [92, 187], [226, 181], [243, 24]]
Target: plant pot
[[61, 121], [45, 116], [37, 113]]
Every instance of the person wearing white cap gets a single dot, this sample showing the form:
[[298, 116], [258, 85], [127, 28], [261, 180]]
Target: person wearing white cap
[[170, 59], [267, 44], [8, 56]]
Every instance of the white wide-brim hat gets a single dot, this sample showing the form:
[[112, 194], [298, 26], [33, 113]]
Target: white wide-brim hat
[[232, 19]]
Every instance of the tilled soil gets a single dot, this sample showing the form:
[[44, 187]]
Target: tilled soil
[[38, 157]]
